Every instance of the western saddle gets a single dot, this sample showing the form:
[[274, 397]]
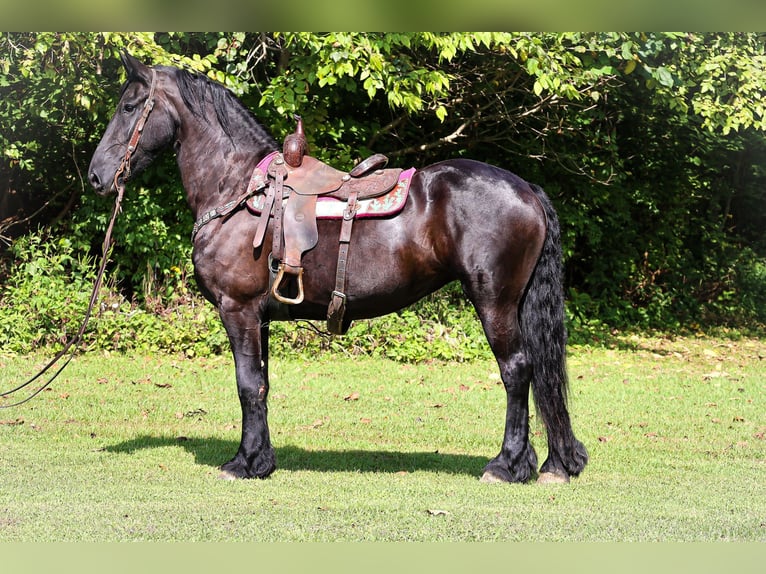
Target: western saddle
[[298, 180]]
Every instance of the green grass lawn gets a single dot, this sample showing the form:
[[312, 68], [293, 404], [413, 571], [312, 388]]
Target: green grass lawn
[[127, 448]]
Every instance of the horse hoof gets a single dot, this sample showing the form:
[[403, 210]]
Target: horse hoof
[[226, 475], [552, 478], [490, 478]]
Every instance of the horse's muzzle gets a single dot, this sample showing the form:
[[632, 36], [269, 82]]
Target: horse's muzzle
[[103, 187]]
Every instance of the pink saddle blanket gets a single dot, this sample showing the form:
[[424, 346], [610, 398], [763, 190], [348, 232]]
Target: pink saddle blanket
[[388, 204]]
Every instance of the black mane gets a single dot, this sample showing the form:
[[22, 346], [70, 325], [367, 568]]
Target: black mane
[[236, 120]]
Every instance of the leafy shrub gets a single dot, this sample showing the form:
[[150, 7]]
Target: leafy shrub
[[44, 299], [48, 285], [442, 326], [751, 280], [45, 295]]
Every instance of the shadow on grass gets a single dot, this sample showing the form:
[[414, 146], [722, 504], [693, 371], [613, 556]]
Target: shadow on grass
[[214, 452]]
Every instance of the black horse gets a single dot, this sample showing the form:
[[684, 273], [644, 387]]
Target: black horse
[[463, 220]]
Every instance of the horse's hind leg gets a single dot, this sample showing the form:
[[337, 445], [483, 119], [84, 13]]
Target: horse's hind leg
[[517, 461], [249, 344]]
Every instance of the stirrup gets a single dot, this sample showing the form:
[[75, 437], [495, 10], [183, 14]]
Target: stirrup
[[278, 282]]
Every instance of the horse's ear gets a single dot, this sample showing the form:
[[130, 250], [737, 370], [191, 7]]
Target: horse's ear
[[136, 69]]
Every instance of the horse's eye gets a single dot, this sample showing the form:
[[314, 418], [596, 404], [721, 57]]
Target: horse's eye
[[128, 108]]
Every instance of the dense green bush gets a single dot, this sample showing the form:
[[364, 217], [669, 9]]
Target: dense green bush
[[44, 299], [751, 282], [45, 294], [442, 326], [652, 154], [43, 302]]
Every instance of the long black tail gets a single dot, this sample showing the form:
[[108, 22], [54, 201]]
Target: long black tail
[[545, 338]]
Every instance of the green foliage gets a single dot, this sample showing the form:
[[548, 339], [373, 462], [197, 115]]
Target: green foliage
[[57, 93], [441, 327], [749, 291], [45, 297], [652, 146], [192, 329], [153, 254]]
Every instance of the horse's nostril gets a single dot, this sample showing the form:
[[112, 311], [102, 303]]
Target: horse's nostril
[[95, 181]]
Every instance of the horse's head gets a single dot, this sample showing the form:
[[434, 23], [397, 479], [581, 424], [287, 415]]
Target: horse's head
[[143, 124]]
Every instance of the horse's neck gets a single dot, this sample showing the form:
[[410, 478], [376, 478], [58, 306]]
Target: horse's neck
[[214, 168]]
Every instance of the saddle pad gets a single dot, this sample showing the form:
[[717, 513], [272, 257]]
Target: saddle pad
[[328, 208]]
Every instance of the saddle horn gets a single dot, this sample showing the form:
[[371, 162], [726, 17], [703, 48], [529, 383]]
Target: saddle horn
[[296, 145]]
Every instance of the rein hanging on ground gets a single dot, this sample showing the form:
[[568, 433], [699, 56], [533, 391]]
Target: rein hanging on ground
[[72, 345]]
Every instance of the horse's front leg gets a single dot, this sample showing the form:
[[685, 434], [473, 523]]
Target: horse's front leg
[[249, 339]]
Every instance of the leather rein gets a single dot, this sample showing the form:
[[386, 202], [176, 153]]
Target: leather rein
[[72, 345]]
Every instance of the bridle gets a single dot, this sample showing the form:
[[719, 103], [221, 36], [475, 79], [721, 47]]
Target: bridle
[[124, 167], [73, 344]]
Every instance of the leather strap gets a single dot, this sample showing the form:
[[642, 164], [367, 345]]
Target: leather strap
[[337, 308], [278, 169], [138, 130], [256, 183], [263, 221]]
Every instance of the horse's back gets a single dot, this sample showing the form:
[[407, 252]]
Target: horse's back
[[461, 217], [473, 180]]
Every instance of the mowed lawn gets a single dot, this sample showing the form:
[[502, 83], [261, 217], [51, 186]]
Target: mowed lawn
[[127, 448]]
